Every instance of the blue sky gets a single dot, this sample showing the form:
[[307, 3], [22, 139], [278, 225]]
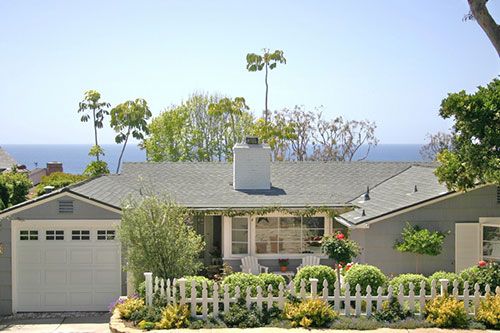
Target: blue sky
[[387, 61]]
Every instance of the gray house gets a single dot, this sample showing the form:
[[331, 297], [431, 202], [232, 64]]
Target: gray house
[[6, 161], [61, 253]]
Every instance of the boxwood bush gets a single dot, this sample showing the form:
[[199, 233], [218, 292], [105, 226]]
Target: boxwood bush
[[489, 274], [319, 272], [199, 285], [405, 280], [273, 280], [449, 276], [365, 275]]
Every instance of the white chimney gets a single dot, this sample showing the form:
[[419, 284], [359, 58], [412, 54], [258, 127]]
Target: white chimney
[[251, 165]]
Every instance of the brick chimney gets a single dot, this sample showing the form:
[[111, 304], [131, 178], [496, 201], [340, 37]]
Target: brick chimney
[[251, 165], [54, 167]]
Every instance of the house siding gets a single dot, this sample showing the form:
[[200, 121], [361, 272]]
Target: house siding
[[46, 211], [377, 241]]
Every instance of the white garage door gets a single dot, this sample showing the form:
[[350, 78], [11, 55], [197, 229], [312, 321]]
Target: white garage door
[[65, 266]]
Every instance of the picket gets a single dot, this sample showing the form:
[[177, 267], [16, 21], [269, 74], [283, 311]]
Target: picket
[[212, 301]]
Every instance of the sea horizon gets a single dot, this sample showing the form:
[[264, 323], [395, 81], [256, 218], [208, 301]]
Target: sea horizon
[[75, 156]]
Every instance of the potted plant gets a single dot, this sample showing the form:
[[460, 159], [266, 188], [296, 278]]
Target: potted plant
[[283, 264]]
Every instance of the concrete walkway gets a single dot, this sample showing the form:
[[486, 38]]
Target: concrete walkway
[[92, 324]]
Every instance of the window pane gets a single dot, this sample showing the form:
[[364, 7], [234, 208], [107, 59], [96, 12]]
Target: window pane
[[290, 247], [491, 233], [240, 223], [314, 222], [290, 222], [240, 248], [267, 223], [240, 236]]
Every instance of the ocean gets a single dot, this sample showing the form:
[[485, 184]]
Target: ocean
[[75, 156]]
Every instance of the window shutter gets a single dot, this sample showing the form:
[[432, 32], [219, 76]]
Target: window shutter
[[466, 245]]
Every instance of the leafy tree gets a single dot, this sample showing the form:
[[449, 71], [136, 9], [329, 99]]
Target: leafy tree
[[277, 132], [14, 188], [58, 180], [96, 168], [158, 238], [340, 249], [233, 108], [480, 13], [420, 241], [190, 132], [267, 61], [98, 110], [128, 118], [436, 144], [476, 138]]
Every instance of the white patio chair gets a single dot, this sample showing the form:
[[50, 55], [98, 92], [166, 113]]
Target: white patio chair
[[251, 265], [309, 261]]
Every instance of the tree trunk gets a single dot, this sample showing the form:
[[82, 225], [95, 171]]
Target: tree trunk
[[338, 275], [266, 112], [95, 134], [417, 264], [123, 150], [486, 22]]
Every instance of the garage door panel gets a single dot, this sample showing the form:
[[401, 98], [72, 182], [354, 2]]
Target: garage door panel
[[29, 255], [80, 298], [56, 256], [29, 298], [80, 256], [29, 278], [55, 278], [80, 277], [104, 277], [105, 256], [55, 298], [104, 297]]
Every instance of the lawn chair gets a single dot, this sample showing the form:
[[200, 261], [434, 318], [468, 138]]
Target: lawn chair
[[309, 261], [251, 265]]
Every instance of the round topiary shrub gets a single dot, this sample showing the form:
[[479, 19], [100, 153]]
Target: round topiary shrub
[[365, 275], [486, 273], [198, 280], [273, 280], [319, 272], [243, 280], [405, 280], [450, 276]]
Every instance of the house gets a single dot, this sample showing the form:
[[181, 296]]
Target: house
[[61, 251], [36, 174], [6, 161]]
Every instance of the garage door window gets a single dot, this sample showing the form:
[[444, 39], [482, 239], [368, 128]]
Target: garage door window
[[105, 234], [80, 234], [28, 235], [54, 235]]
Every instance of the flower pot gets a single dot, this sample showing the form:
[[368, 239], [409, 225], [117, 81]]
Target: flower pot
[[283, 268]]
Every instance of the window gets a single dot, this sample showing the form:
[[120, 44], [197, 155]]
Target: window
[[28, 235], [491, 243], [80, 235], [239, 236], [54, 235], [289, 234], [105, 234], [65, 206]]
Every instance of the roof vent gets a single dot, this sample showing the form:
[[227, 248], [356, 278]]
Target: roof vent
[[415, 189], [363, 213], [65, 206], [367, 194], [48, 189]]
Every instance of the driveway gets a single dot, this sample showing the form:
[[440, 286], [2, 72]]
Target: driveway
[[94, 323]]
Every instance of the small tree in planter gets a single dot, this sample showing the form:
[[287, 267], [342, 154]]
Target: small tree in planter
[[420, 241], [340, 249], [283, 264]]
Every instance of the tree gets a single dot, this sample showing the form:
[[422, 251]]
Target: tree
[[128, 118], [189, 132], [96, 168], [232, 108], [480, 13], [420, 242], [267, 61], [91, 102], [476, 138], [277, 132], [14, 188], [436, 144], [58, 180], [302, 122], [340, 249], [158, 238]]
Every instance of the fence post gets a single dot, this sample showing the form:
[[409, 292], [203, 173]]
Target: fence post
[[149, 287], [314, 287], [444, 286], [182, 290]]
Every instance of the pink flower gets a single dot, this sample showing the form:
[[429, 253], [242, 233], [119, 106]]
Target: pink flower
[[482, 263], [340, 236]]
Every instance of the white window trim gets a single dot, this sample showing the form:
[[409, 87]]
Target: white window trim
[[486, 222], [41, 226], [227, 238]]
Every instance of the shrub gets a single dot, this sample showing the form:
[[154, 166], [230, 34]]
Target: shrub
[[310, 313], [239, 316], [210, 323], [355, 323], [365, 275], [129, 306], [14, 188], [174, 316], [198, 280], [488, 274], [489, 312], [58, 180], [146, 325], [243, 280], [405, 280], [147, 314], [391, 311], [273, 280], [319, 272], [446, 312], [449, 276]]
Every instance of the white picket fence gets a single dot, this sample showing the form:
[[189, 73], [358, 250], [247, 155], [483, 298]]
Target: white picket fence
[[174, 291]]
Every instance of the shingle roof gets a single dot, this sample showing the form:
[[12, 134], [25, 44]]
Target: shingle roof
[[208, 185], [6, 161], [396, 193]]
